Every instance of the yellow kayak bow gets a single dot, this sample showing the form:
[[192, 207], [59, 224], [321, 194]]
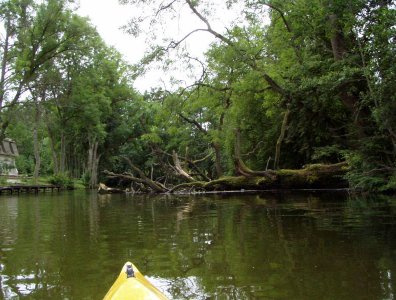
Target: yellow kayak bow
[[132, 285]]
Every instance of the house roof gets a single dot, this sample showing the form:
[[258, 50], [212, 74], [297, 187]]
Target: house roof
[[8, 147]]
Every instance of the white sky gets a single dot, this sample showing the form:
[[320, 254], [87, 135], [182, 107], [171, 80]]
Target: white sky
[[108, 16]]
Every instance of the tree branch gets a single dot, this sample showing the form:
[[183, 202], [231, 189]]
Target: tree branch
[[281, 14], [193, 122], [156, 186], [179, 169], [274, 85], [191, 162]]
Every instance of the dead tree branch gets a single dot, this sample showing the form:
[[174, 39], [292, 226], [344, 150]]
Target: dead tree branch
[[179, 168], [241, 168], [192, 163], [156, 186]]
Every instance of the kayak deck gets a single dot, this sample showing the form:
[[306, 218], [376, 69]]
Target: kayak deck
[[132, 285]]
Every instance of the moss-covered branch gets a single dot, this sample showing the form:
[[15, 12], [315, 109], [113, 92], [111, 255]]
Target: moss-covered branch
[[311, 177], [316, 176]]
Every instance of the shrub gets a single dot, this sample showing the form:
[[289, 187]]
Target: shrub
[[86, 178], [62, 180]]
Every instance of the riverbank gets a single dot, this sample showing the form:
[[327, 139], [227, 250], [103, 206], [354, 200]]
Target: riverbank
[[23, 181]]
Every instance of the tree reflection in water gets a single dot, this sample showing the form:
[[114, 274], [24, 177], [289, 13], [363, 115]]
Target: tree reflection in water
[[276, 246]]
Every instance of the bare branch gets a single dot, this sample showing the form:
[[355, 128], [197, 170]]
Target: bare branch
[[281, 14], [193, 122], [203, 19], [192, 163], [219, 89], [174, 44], [179, 168], [203, 158], [164, 7], [254, 150], [156, 186]]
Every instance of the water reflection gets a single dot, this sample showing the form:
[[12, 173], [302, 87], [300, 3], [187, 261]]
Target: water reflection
[[286, 246]]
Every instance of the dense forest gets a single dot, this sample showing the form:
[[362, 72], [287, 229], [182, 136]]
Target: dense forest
[[294, 83]]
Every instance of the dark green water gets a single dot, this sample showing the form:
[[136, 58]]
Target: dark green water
[[73, 245]]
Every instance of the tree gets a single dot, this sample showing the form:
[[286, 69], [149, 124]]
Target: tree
[[316, 69], [60, 66], [35, 34]]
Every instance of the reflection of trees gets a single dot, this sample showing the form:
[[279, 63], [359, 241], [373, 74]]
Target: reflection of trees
[[304, 245], [340, 242], [234, 247], [8, 216], [26, 264]]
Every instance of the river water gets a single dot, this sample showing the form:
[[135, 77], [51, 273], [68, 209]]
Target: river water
[[72, 245]]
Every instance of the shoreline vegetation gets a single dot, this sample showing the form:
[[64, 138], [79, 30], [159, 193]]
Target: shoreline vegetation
[[59, 180], [291, 84]]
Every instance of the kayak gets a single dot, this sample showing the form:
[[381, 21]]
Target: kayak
[[132, 285]]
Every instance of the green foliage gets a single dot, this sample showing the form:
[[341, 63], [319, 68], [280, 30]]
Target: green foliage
[[390, 186], [85, 179], [316, 60], [25, 165], [3, 181], [62, 180], [328, 154], [329, 65], [5, 167], [363, 175]]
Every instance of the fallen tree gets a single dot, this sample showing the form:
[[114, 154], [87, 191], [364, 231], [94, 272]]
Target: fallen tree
[[103, 189], [146, 183], [316, 176]]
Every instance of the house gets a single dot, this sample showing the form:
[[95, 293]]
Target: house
[[8, 153]]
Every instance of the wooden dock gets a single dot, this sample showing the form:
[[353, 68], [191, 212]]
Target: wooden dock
[[28, 188]]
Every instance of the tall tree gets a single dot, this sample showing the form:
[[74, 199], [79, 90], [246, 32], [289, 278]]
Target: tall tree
[[35, 34]]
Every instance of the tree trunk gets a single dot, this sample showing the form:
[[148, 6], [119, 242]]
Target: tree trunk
[[62, 157], [280, 139], [36, 144], [94, 175], [350, 100], [219, 168], [312, 177], [93, 162], [55, 160], [337, 38], [4, 61]]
